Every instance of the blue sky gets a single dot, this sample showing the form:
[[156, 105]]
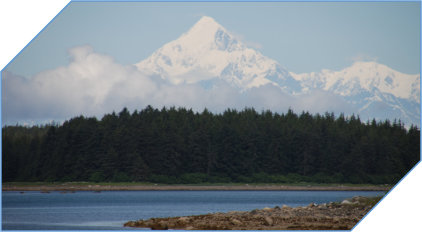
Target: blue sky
[[301, 36], [81, 63]]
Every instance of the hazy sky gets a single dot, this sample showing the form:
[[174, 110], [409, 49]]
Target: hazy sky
[[301, 36], [82, 62]]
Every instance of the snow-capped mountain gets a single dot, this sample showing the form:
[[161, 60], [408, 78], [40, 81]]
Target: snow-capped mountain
[[208, 51], [375, 89], [368, 76]]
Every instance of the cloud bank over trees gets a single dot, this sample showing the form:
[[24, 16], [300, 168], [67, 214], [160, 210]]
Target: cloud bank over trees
[[93, 84]]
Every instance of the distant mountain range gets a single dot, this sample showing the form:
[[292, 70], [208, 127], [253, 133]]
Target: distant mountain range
[[208, 54], [375, 89]]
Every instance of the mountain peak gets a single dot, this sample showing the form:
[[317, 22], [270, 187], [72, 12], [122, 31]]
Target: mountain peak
[[206, 21], [207, 31], [210, 52], [208, 55]]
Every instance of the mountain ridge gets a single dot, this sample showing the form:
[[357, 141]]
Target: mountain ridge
[[367, 75], [208, 52]]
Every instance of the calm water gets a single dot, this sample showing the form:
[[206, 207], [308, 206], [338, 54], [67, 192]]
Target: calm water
[[108, 210]]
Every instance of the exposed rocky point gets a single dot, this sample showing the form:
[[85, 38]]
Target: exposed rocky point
[[331, 216]]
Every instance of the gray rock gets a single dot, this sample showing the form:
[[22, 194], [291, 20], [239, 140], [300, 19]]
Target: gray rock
[[346, 202], [182, 220], [286, 207], [268, 221], [255, 211], [312, 205], [235, 222]]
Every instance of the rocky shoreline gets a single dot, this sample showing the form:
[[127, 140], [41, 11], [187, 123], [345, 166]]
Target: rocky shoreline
[[332, 216]]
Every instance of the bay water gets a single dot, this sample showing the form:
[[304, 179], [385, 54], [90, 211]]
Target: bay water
[[109, 210]]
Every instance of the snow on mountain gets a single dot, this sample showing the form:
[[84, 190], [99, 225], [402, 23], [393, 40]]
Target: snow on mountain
[[209, 51], [208, 54], [375, 89], [364, 76]]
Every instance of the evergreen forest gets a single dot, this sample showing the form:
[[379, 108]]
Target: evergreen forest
[[180, 146]]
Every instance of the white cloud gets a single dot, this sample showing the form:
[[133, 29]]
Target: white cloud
[[94, 84], [82, 87]]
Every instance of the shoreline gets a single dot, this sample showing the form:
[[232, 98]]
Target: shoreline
[[140, 187], [327, 216]]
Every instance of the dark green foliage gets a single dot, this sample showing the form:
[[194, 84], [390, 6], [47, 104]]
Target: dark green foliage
[[180, 146]]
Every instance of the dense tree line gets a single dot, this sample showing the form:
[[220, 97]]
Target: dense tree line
[[181, 146]]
